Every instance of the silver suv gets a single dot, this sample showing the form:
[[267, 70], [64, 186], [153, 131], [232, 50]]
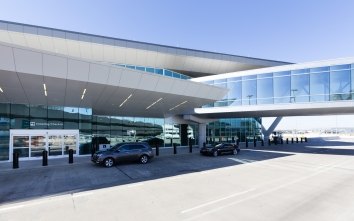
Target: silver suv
[[141, 152]]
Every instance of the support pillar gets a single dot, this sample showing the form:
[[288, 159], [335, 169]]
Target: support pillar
[[202, 135]]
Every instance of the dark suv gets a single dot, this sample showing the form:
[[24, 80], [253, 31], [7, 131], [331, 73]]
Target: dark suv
[[222, 148], [141, 152]]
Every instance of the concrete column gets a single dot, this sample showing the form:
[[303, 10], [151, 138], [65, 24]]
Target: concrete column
[[202, 135]]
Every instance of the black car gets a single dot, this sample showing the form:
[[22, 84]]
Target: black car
[[141, 152], [153, 141], [219, 149]]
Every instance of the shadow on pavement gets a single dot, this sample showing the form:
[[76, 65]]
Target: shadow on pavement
[[59, 178], [318, 145]]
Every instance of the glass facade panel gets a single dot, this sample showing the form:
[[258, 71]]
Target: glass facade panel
[[20, 116], [4, 116], [319, 69], [340, 85], [352, 80], [319, 87], [265, 91], [71, 118], [249, 92], [340, 67], [281, 89], [85, 118], [300, 88], [234, 95], [55, 117], [38, 117], [4, 144]]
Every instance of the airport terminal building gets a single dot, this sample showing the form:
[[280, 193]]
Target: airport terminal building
[[61, 90]]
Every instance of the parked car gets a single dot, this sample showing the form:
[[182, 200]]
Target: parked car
[[141, 152], [219, 149]]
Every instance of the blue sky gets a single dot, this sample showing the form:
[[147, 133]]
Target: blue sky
[[287, 30]]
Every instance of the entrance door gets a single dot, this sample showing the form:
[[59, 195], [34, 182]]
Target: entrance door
[[30, 144]]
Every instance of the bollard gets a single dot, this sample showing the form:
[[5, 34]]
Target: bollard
[[300, 139], [281, 141], [306, 139], [292, 140], [246, 143], [254, 142], [71, 156], [171, 142], [297, 140], [287, 140], [157, 150], [269, 142], [15, 163], [174, 148], [262, 143], [190, 147], [45, 158]]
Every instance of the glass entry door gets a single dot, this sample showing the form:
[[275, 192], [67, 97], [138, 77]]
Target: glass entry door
[[30, 144]]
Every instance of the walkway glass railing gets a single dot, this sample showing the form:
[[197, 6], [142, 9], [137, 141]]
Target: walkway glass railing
[[159, 71], [312, 85]]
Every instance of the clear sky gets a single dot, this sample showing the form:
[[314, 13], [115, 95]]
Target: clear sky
[[286, 30]]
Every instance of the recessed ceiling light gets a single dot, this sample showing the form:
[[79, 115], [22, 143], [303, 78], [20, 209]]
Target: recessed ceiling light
[[154, 103], [83, 94], [45, 89], [178, 105], [125, 100]]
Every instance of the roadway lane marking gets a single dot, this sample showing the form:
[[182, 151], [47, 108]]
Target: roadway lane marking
[[329, 167], [218, 200], [242, 161]]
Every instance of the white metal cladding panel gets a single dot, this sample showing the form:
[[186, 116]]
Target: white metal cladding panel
[[78, 70], [28, 61], [54, 66], [98, 74], [32, 40], [130, 79], [97, 52], [141, 57], [148, 82], [108, 53], [164, 84], [191, 88], [6, 58], [114, 76], [60, 46], [46, 43], [85, 50], [130, 56], [119, 53], [18, 38], [178, 87], [73, 48]]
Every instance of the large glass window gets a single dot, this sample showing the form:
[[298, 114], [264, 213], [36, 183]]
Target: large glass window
[[319, 86], [55, 117], [38, 117], [352, 80], [340, 85], [265, 91], [85, 118], [249, 91], [235, 92], [300, 88], [281, 89], [71, 118], [4, 116], [20, 116]]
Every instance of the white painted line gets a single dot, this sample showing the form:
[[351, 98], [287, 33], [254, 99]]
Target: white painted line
[[269, 190], [240, 161], [11, 207], [215, 201], [82, 194]]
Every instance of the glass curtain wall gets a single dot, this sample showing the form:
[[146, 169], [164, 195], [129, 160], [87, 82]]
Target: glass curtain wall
[[319, 84]]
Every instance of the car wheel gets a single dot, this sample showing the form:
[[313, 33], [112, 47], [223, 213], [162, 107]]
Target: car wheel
[[215, 154], [109, 162], [144, 159], [234, 152]]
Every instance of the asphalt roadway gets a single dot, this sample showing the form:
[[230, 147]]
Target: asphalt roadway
[[300, 181]]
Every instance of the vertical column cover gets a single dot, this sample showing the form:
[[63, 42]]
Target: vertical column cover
[[202, 134]]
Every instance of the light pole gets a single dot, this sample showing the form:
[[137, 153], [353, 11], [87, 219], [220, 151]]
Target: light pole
[[249, 98], [293, 92]]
